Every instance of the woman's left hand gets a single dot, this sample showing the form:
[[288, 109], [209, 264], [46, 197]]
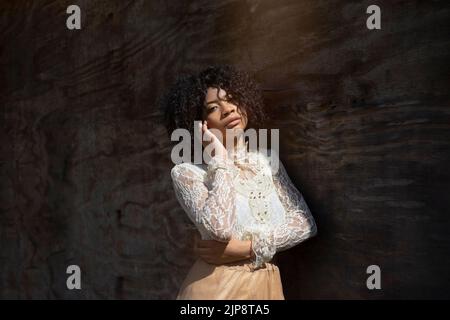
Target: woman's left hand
[[216, 252]]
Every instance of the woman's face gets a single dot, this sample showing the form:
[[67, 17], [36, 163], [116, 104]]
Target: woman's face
[[222, 114]]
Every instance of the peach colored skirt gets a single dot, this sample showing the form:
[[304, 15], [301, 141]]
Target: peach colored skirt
[[231, 282]]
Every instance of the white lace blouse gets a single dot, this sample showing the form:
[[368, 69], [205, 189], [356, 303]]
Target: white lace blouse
[[243, 198]]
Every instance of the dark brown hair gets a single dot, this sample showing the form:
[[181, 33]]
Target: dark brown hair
[[184, 102]]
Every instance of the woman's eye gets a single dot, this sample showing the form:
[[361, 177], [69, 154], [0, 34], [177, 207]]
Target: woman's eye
[[212, 108]]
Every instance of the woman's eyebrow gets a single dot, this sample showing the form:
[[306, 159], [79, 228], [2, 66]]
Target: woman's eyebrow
[[213, 101]]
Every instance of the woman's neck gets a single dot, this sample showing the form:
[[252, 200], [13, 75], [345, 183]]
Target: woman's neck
[[239, 149], [239, 144]]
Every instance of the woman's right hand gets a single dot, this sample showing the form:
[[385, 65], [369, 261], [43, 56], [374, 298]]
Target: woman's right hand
[[218, 148], [216, 252]]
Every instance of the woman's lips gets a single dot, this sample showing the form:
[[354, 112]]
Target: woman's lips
[[233, 121]]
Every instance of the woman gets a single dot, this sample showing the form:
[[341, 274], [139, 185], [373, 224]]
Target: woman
[[244, 210]]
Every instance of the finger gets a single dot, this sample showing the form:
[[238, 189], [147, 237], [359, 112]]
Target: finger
[[211, 251], [210, 244], [209, 258], [203, 243], [206, 260], [214, 260], [204, 252], [200, 128]]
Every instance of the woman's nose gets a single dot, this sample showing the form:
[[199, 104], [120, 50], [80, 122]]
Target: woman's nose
[[228, 109]]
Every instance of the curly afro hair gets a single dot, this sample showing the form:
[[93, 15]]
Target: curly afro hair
[[184, 102]]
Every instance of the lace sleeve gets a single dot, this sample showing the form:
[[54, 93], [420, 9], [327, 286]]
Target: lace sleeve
[[210, 203], [299, 224]]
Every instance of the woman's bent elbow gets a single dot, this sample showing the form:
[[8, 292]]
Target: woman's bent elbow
[[313, 230], [223, 236]]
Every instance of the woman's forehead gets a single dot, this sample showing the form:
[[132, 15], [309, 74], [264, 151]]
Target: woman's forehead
[[213, 93]]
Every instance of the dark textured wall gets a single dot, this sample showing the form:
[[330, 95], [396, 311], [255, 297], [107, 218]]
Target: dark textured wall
[[365, 135]]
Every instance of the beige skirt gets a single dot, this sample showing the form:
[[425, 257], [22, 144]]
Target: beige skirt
[[231, 282]]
